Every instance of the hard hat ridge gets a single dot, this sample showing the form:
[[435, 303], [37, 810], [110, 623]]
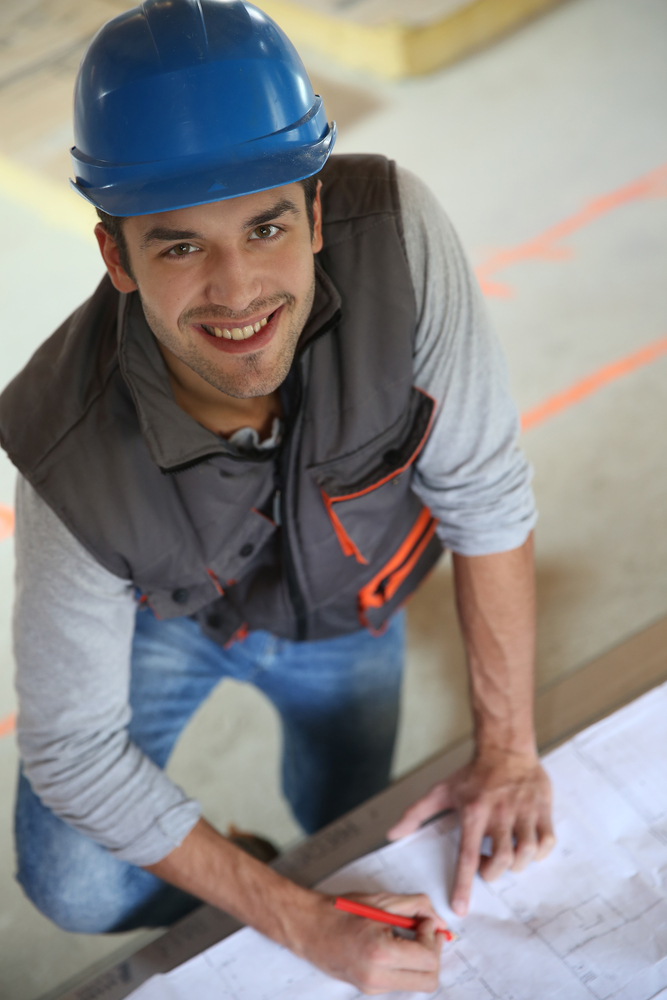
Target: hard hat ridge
[[181, 102]]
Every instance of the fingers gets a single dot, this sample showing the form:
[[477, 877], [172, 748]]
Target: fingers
[[368, 953], [417, 905], [546, 838], [473, 826], [505, 796], [420, 955], [403, 982], [432, 803], [502, 857], [427, 936], [514, 848], [387, 963], [400, 964], [525, 849]]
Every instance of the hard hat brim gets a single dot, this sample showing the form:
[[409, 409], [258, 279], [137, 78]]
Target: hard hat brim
[[189, 182]]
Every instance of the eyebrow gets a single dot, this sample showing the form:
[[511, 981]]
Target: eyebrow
[[162, 234], [281, 207]]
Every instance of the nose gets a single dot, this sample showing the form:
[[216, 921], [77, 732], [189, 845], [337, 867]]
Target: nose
[[233, 281]]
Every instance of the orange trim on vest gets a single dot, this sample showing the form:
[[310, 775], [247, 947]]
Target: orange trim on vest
[[145, 603], [399, 566], [265, 516], [216, 582], [241, 633], [346, 543]]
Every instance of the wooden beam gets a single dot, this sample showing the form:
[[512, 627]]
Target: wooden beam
[[598, 688]]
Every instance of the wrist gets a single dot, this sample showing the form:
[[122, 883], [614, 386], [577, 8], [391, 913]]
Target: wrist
[[303, 916], [518, 746], [507, 729]]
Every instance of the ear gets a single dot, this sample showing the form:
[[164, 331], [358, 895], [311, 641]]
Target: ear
[[318, 242], [109, 250]]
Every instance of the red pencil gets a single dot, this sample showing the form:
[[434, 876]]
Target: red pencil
[[382, 917]]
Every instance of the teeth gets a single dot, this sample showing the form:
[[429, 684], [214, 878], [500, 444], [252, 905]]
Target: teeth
[[236, 332]]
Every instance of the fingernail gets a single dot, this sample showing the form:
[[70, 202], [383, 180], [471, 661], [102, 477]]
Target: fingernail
[[459, 907]]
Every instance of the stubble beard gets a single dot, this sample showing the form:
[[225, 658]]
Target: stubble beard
[[241, 376]]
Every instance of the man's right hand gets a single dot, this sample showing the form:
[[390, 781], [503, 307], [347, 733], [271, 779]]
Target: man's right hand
[[368, 954], [354, 949]]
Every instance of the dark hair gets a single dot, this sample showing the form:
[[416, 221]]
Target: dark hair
[[113, 224]]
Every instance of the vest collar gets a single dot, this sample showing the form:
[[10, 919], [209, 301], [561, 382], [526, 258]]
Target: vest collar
[[325, 310], [173, 438]]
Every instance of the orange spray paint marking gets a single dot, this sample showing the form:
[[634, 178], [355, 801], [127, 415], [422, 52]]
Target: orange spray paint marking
[[651, 185], [7, 725], [6, 521], [591, 383]]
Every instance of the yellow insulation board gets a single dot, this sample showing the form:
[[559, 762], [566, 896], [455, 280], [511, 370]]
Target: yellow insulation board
[[394, 50]]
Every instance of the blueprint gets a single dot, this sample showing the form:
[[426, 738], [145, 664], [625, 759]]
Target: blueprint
[[588, 922]]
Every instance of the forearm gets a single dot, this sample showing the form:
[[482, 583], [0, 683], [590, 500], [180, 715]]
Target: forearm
[[210, 867], [346, 947], [496, 604], [503, 793]]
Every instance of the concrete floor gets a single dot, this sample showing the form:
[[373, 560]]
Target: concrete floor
[[513, 141]]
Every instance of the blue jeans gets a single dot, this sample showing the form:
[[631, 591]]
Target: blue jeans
[[338, 702]]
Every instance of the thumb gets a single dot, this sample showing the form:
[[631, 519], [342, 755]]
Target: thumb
[[432, 803], [427, 936]]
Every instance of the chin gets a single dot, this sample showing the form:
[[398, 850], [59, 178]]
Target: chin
[[247, 385]]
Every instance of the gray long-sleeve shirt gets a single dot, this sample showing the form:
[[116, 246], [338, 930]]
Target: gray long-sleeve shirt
[[74, 620]]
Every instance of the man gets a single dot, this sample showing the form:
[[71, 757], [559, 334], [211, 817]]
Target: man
[[239, 458]]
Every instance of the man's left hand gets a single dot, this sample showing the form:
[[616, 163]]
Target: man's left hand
[[505, 796]]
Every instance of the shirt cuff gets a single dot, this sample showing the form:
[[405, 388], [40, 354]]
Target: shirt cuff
[[167, 833]]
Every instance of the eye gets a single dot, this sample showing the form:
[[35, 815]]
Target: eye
[[182, 250], [264, 232]]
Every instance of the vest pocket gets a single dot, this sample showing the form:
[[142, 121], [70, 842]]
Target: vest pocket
[[363, 492], [415, 557]]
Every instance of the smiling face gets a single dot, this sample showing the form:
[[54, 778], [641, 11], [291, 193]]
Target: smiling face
[[226, 287]]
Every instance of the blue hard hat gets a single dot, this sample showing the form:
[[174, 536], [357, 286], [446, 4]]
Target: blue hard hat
[[183, 102]]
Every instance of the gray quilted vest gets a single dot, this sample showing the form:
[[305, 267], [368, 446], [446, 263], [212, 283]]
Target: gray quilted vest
[[316, 538]]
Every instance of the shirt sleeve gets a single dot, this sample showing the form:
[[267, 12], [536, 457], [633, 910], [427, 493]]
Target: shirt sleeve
[[73, 629], [471, 473]]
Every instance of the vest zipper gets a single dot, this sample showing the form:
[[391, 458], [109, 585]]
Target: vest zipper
[[296, 597], [276, 510], [294, 590], [294, 409]]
